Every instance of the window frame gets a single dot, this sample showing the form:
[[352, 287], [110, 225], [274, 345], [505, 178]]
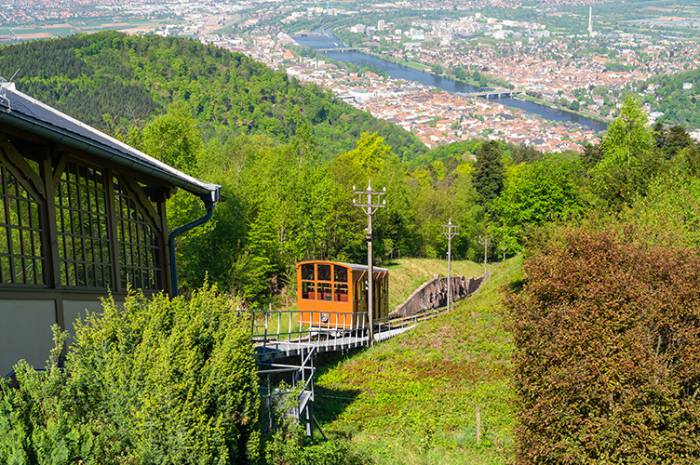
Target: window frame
[[148, 195]]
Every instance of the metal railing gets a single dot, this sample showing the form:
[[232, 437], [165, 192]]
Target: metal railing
[[328, 331], [332, 330], [285, 333]]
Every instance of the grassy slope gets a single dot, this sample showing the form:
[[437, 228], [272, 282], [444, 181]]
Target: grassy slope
[[407, 274], [412, 400]]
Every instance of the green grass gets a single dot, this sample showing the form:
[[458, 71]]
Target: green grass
[[407, 274], [412, 400]]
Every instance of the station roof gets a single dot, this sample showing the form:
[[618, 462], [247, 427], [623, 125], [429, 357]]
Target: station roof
[[352, 266], [25, 112]]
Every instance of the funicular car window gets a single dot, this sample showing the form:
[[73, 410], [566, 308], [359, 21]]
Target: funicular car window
[[325, 288], [308, 290], [308, 286], [307, 272], [340, 273], [324, 272]]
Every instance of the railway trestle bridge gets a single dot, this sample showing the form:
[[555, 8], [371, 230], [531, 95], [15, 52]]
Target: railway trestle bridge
[[287, 342]]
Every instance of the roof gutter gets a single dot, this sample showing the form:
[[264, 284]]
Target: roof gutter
[[78, 142], [209, 205]]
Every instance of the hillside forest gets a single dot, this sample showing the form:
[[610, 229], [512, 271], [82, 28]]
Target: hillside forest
[[289, 155], [609, 238]]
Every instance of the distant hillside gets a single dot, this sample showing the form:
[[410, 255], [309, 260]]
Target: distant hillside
[[113, 81], [412, 399], [680, 105]]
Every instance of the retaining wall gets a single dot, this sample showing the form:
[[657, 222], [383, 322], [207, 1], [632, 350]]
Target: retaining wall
[[433, 294]]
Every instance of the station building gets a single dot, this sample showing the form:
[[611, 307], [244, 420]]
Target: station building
[[82, 215]]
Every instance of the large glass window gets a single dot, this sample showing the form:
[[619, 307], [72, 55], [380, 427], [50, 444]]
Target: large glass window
[[21, 257], [139, 263], [82, 228]]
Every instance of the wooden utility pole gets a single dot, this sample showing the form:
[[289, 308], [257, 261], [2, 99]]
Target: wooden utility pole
[[369, 201], [485, 241], [449, 230]]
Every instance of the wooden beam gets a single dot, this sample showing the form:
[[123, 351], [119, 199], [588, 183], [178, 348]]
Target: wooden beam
[[112, 228], [24, 173], [50, 239]]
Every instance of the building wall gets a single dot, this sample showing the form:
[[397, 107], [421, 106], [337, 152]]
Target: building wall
[[25, 332], [71, 230]]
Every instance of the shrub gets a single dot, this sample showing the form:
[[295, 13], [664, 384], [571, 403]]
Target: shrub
[[608, 354], [154, 381]]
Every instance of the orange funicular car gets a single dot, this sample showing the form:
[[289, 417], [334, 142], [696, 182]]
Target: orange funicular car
[[334, 294]]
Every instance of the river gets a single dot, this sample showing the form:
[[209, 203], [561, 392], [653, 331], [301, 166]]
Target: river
[[327, 41]]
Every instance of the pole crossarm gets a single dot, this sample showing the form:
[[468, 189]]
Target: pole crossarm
[[450, 230], [369, 201]]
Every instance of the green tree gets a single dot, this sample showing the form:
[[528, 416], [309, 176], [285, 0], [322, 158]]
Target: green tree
[[629, 158], [174, 138], [548, 190], [489, 171]]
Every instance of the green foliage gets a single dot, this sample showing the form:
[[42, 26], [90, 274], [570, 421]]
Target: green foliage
[[151, 381], [672, 140], [489, 171], [606, 365], [174, 139], [546, 191], [628, 161], [113, 81], [669, 216]]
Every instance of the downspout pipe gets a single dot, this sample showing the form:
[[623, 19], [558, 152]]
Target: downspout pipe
[[209, 202]]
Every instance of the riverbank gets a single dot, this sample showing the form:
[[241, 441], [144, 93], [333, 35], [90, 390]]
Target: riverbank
[[425, 68], [491, 82], [554, 106], [416, 72]]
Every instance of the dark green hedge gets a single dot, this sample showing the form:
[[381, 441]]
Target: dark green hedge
[[608, 354]]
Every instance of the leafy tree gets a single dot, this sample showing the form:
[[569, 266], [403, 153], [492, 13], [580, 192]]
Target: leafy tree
[[548, 190], [174, 138], [607, 345], [673, 140], [629, 159], [592, 154], [488, 171]]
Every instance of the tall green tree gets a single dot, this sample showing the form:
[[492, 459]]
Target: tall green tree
[[548, 190], [174, 138], [629, 160], [489, 171]]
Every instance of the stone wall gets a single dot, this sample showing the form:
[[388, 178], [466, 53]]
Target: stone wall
[[433, 294]]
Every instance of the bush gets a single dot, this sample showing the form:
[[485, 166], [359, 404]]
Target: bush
[[607, 359], [154, 381]]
